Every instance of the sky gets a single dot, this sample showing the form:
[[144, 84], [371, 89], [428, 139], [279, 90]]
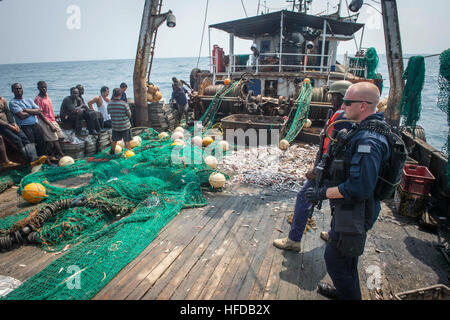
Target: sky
[[76, 30]]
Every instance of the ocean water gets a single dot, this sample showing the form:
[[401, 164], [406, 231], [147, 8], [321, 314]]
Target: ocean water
[[61, 76]]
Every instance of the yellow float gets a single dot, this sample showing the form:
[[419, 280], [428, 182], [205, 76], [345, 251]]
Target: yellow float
[[34, 193], [207, 141], [129, 154]]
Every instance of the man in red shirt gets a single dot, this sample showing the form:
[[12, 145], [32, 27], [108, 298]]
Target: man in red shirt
[[50, 129]]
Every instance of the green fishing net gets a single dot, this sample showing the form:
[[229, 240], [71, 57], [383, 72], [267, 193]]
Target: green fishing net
[[128, 201], [443, 99], [301, 115], [411, 103], [372, 63]]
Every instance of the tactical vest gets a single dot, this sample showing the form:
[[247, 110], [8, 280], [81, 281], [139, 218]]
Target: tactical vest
[[390, 173]]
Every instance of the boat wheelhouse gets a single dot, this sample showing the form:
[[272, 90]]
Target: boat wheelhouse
[[291, 46]]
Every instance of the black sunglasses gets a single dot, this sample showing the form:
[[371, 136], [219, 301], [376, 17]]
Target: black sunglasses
[[348, 103]]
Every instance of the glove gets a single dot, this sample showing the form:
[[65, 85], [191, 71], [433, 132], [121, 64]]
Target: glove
[[315, 195]]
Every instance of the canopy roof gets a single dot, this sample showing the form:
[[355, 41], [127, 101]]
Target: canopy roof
[[249, 28]]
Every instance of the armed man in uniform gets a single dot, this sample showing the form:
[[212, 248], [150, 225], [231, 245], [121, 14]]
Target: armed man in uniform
[[302, 207], [353, 175]]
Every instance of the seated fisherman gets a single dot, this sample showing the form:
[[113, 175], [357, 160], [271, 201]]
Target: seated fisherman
[[102, 105], [50, 128], [73, 111], [26, 113], [11, 131], [98, 115], [4, 161]]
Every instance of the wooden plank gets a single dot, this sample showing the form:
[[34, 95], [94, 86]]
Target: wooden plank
[[232, 279], [263, 274], [193, 285], [124, 283], [21, 259], [233, 239], [172, 278], [263, 244], [198, 269], [143, 269], [148, 282], [148, 258], [244, 264], [122, 278], [311, 268], [187, 218], [7, 199], [271, 289]]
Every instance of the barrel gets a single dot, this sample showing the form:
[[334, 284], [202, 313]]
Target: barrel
[[74, 150], [104, 140], [241, 90], [90, 146]]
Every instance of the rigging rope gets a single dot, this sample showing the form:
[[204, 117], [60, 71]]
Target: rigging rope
[[203, 33]]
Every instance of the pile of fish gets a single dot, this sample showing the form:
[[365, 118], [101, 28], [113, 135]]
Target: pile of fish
[[268, 166]]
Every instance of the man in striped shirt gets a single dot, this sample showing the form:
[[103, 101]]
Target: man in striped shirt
[[120, 119]]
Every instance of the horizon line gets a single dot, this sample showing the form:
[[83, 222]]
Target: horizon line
[[117, 59]]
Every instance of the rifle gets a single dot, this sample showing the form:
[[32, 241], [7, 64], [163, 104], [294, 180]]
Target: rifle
[[319, 170], [323, 135]]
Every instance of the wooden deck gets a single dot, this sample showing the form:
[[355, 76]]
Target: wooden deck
[[225, 251]]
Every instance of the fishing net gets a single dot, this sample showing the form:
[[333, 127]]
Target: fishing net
[[301, 115], [411, 103], [443, 99], [372, 63], [103, 225], [207, 120]]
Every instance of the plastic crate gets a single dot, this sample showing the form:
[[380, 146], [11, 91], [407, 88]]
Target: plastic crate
[[416, 179], [410, 204], [437, 292]]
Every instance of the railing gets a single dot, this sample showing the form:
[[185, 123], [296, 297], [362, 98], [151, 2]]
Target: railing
[[271, 61], [358, 69]]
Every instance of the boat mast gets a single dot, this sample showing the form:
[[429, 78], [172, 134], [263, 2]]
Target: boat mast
[[394, 57], [151, 20]]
